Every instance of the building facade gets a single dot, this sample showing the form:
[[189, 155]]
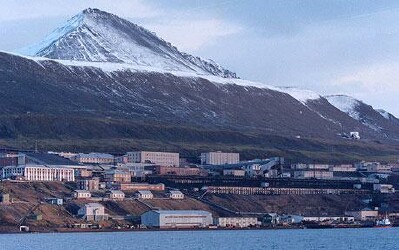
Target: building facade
[[180, 171], [144, 194], [158, 158], [94, 158], [91, 184], [138, 186], [219, 158], [237, 222], [177, 219], [93, 212], [116, 195], [176, 195], [38, 173]]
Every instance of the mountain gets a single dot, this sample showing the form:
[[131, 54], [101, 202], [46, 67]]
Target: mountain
[[377, 120], [102, 83], [98, 36]]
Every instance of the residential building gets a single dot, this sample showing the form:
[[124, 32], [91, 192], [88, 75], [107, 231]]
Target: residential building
[[116, 195], [343, 168], [237, 222], [234, 172], [219, 158], [138, 186], [177, 219], [38, 173], [91, 184], [176, 195], [144, 194], [158, 158], [364, 214], [93, 212], [94, 158], [81, 194], [180, 171], [118, 176]]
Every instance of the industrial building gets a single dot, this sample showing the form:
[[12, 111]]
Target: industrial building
[[177, 219]]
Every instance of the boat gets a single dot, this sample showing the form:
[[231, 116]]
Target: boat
[[384, 223]]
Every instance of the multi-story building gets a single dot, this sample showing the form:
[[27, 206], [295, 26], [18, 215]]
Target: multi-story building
[[94, 158], [38, 173], [343, 168], [93, 212], [318, 174], [180, 171], [158, 158], [219, 158], [88, 184], [237, 222], [118, 176]]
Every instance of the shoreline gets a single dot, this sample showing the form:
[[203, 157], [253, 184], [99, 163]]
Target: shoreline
[[68, 230]]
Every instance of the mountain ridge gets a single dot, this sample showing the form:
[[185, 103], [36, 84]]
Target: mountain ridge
[[116, 94]]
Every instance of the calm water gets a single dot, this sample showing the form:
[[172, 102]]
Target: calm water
[[372, 238]]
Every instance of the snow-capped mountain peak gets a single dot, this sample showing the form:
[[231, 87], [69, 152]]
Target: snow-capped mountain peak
[[97, 36]]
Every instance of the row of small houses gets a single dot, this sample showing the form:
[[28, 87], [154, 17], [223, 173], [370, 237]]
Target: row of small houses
[[119, 195]]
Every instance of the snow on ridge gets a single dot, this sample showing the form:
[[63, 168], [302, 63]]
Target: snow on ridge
[[346, 104], [384, 114], [302, 95], [68, 27]]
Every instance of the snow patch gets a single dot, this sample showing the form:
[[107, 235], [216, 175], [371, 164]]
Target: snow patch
[[346, 104]]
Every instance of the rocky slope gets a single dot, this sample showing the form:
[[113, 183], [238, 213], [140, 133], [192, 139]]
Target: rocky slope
[[100, 76]]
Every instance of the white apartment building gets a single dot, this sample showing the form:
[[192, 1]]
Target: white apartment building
[[237, 222], [94, 158], [219, 158], [158, 158], [38, 173]]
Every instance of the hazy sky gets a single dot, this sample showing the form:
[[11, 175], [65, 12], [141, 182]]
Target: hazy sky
[[329, 46]]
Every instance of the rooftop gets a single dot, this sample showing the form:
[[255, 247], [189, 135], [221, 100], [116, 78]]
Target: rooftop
[[49, 159], [181, 212]]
